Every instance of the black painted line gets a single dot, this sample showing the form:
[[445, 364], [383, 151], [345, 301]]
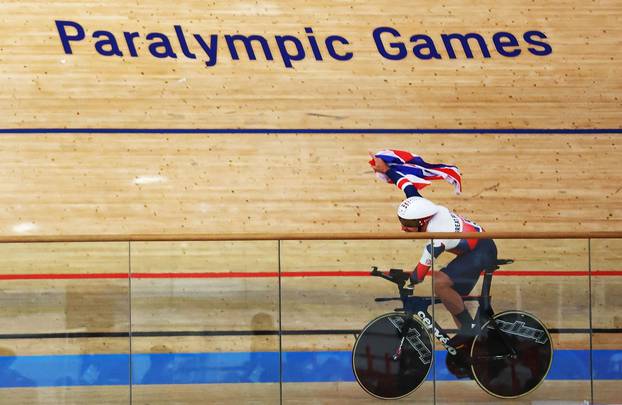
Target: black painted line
[[311, 332]]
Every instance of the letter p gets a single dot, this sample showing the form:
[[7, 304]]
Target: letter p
[[288, 57], [66, 38]]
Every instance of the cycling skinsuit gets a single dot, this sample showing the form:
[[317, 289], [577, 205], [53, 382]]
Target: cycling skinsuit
[[472, 255]]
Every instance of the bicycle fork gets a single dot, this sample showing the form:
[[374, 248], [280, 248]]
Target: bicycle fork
[[403, 333], [512, 353], [411, 336], [485, 309], [398, 352]]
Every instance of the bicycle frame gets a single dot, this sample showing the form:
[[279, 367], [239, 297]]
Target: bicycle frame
[[415, 305], [418, 305]]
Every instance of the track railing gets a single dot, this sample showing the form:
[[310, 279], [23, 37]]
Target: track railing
[[218, 311]]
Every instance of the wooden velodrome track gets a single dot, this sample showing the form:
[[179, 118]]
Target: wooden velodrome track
[[125, 182]]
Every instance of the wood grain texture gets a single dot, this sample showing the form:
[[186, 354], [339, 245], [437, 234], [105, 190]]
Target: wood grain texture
[[159, 184], [462, 393], [578, 85], [176, 184]]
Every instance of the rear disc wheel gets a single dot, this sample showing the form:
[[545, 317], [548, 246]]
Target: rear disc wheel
[[505, 376]]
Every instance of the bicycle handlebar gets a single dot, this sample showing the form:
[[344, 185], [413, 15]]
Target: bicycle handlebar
[[397, 276], [375, 272]]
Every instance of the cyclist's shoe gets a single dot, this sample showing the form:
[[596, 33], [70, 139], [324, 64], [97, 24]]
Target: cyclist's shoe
[[464, 337], [470, 330], [460, 342], [458, 366]]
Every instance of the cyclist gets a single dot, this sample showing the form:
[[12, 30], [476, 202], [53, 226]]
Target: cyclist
[[417, 214]]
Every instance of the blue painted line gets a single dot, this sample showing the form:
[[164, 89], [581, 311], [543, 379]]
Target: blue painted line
[[205, 368], [607, 364], [405, 131], [64, 370], [253, 367], [317, 366]]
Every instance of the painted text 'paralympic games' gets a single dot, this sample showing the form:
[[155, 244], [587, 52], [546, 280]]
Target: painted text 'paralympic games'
[[389, 43]]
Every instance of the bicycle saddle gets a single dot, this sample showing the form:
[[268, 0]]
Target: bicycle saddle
[[501, 262]]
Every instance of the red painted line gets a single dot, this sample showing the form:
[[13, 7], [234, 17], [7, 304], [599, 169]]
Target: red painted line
[[325, 274], [85, 276], [232, 274], [62, 276], [557, 273]]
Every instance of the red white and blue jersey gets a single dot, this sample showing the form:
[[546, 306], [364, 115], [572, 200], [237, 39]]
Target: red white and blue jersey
[[446, 221]]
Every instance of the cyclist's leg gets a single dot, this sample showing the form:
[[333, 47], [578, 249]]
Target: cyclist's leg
[[457, 279], [444, 289], [461, 275], [453, 281], [458, 363], [465, 269]]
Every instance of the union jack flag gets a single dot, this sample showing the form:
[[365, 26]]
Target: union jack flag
[[415, 170]]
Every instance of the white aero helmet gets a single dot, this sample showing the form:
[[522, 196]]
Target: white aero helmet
[[413, 209]]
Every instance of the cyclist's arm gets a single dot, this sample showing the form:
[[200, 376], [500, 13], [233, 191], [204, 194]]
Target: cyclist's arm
[[396, 177], [423, 267], [403, 183]]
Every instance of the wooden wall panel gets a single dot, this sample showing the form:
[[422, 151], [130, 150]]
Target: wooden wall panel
[[578, 85], [127, 183], [116, 184]]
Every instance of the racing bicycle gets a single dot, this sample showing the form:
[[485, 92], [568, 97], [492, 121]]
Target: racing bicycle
[[509, 356]]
